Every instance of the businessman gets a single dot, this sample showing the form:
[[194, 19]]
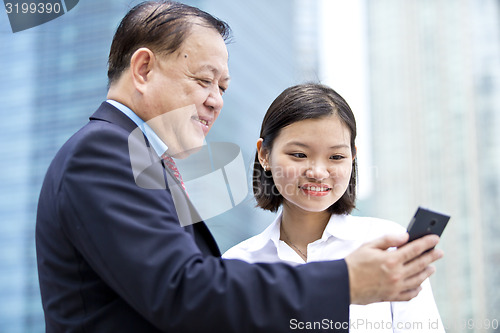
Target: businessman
[[118, 249]]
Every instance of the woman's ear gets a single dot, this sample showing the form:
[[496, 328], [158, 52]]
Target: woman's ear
[[263, 155]]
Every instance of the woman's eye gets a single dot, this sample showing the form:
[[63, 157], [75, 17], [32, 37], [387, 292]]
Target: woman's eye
[[336, 157], [298, 155]]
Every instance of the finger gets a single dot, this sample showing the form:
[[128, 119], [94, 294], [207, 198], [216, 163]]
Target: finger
[[388, 241], [414, 249], [416, 280], [427, 257], [418, 264], [407, 295]]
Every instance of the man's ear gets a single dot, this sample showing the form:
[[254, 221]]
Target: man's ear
[[141, 64], [263, 154]]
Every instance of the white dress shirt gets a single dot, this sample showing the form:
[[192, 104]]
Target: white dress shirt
[[342, 235]]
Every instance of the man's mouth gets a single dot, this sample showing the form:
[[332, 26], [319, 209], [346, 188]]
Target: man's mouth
[[205, 123]]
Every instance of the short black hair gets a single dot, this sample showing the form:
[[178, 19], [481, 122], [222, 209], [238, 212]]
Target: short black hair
[[161, 26], [300, 102]]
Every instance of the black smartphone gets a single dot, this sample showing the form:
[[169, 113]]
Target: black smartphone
[[426, 222]]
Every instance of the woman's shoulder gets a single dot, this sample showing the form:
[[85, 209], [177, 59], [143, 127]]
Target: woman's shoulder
[[255, 248], [373, 227], [242, 249]]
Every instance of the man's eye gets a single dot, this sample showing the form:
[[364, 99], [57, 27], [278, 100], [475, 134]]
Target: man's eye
[[222, 90], [205, 82]]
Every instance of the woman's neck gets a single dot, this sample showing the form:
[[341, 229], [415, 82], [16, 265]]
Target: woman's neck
[[300, 227]]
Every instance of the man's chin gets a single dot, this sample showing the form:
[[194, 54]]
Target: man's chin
[[182, 154]]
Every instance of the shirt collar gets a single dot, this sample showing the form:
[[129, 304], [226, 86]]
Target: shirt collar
[[343, 227], [154, 140], [339, 226], [269, 236]]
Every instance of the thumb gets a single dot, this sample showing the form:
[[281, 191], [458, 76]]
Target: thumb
[[385, 242]]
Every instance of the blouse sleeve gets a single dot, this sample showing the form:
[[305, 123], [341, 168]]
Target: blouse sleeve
[[419, 314]]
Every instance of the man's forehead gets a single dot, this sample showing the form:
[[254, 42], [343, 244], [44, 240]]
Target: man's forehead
[[201, 30]]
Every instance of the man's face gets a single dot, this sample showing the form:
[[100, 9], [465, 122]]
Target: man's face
[[184, 95]]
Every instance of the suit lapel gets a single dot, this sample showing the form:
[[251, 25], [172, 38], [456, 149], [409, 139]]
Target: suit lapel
[[107, 112], [204, 236], [188, 216]]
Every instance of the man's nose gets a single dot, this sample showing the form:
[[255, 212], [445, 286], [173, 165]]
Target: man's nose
[[215, 100]]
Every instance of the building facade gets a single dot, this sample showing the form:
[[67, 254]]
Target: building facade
[[56, 79], [435, 83]]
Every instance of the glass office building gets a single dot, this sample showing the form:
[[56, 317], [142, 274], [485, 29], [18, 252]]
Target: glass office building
[[435, 96], [434, 74], [55, 77], [16, 236], [274, 45]]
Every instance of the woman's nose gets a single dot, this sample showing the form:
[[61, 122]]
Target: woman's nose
[[317, 171]]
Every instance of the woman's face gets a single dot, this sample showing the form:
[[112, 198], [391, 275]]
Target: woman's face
[[311, 162]]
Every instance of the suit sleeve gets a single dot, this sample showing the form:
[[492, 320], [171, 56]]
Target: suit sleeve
[[132, 239]]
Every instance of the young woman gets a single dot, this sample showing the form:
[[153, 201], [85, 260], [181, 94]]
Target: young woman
[[306, 165]]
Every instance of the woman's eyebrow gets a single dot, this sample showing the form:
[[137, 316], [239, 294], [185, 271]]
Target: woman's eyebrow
[[301, 144], [297, 143]]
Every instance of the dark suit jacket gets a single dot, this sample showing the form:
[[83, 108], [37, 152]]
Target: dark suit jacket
[[113, 257]]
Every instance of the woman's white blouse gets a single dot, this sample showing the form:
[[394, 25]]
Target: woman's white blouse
[[344, 234]]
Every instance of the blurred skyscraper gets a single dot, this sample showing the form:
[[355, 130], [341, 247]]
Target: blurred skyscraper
[[15, 227], [435, 97], [275, 45], [55, 77]]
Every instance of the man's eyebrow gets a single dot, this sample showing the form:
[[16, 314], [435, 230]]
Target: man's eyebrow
[[213, 70]]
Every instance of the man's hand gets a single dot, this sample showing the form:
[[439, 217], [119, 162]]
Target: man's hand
[[377, 275]]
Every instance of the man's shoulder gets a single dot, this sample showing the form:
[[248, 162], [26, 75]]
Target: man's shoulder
[[95, 135], [105, 122], [107, 126], [94, 143]]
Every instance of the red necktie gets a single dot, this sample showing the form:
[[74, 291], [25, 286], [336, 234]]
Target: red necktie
[[169, 162]]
